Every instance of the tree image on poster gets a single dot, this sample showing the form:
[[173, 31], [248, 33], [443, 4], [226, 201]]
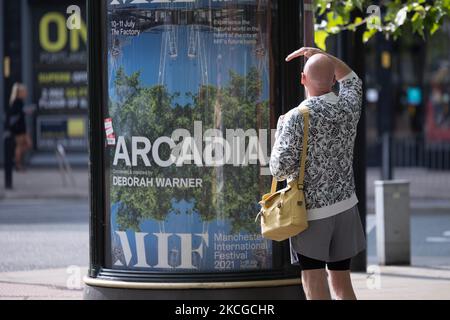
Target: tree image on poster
[[188, 134]]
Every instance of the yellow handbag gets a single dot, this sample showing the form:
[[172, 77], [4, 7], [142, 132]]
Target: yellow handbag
[[283, 212]]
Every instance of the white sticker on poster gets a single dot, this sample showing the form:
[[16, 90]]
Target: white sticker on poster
[[110, 136]]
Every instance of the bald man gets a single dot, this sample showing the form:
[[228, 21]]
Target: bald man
[[335, 233]]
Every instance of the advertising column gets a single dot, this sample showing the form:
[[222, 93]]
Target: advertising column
[[188, 93]]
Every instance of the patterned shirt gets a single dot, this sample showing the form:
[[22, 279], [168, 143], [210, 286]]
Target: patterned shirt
[[329, 184]]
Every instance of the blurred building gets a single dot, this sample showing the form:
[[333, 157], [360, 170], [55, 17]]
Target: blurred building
[[38, 49], [420, 88]]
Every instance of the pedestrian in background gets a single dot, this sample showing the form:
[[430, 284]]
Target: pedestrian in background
[[17, 125]]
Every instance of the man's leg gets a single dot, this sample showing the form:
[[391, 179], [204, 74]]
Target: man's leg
[[340, 280], [315, 284], [314, 279]]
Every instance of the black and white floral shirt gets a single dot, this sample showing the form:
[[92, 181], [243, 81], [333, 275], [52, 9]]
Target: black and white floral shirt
[[329, 184]]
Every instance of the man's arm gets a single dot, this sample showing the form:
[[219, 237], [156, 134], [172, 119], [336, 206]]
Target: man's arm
[[350, 86], [341, 69], [285, 155], [279, 126]]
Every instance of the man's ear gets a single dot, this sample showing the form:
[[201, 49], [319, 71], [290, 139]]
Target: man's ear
[[303, 79]]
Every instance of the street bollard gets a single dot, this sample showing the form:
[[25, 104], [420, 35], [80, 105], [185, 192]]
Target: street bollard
[[392, 212]]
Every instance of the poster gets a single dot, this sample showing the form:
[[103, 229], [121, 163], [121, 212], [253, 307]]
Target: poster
[[59, 74], [187, 134]]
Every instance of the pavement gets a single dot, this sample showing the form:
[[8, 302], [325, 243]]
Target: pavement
[[45, 217], [381, 283], [47, 184], [45, 284], [402, 283]]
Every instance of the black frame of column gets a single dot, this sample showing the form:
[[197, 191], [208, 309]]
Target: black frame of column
[[96, 87], [12, 49], [288, 95], [2, 113]]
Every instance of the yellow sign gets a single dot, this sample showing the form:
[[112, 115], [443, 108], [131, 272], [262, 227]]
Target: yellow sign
[[7, 67], [385, 60], [62, 33], [76, 128]]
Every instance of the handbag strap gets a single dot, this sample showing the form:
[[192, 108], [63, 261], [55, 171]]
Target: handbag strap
[[273, 188], [305, 112], [301, 177]]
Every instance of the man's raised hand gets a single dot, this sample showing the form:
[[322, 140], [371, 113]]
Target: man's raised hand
[[308, 52]]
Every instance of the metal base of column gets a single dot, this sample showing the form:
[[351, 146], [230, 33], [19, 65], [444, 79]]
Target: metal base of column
[[99, 290]]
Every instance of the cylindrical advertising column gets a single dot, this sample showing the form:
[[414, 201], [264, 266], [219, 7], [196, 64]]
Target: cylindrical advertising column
[[184, 96]]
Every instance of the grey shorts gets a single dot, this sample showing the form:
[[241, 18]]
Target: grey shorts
[[331, 239]]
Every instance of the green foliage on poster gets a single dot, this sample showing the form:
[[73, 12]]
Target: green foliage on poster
[[228, 192]]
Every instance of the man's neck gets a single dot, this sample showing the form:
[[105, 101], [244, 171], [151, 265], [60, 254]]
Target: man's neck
[[316, 93]]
